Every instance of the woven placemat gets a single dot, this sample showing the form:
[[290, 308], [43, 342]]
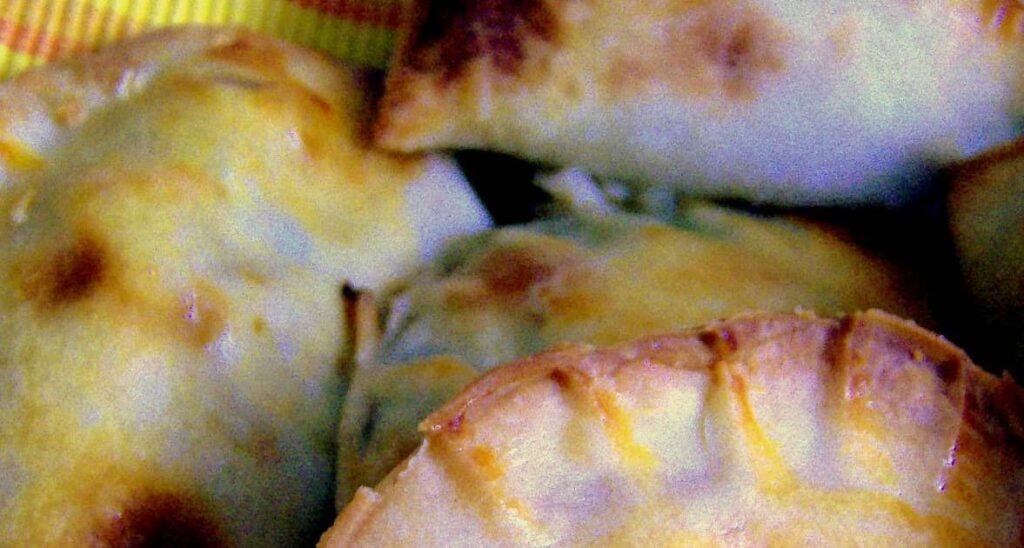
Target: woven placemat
[[33, 32]]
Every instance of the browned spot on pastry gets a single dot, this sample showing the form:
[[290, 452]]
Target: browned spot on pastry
[[710, 50], [843, 38], [323, 106], [71, 274], [882, 357], [721, 342], [561, 378], [513, 271], [1004, 17], [202, 317], [159, 520], [247, 52], [740, 54], [454, 425], [487, 462], [349, 303], [451, 34]]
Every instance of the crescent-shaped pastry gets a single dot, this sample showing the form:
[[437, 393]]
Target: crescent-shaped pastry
[[790, 102], [782, 430], [507, 293], [178, 215], [986, 216]]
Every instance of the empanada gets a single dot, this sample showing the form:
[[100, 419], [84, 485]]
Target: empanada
[[514, 291], [178, 215], [986, 216], [790, 102], [779, 430]]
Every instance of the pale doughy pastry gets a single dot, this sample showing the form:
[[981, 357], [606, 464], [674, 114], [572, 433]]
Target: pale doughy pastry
[[763, 430], [514, 291], [986, 215], [177, 217], [791, 102]]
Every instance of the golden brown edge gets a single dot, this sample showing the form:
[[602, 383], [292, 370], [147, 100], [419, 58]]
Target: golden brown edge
[[976, 392], [479, 394]]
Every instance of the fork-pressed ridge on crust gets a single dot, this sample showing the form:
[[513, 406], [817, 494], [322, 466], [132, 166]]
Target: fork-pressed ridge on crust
[[770, 428]]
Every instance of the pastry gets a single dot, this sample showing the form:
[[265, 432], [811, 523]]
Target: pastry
[[504, 294], [766, 100], [760, 430], [178, 215], [986, 216]]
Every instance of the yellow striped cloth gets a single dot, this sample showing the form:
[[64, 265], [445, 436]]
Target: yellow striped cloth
[[33, 32]]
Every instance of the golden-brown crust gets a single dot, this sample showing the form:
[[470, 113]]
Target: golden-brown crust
[[177, 215], [115, 188], [445, 37], [924, 440], [699, 349], [40, 105], [731, 49], [737, 98]]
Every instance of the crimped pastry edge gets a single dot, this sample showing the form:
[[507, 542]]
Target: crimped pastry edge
[[998, 399]]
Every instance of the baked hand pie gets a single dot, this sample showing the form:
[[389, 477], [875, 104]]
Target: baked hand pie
[[986, 216], [779, 101], [178, 215], [760, 430], [513, 291]]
